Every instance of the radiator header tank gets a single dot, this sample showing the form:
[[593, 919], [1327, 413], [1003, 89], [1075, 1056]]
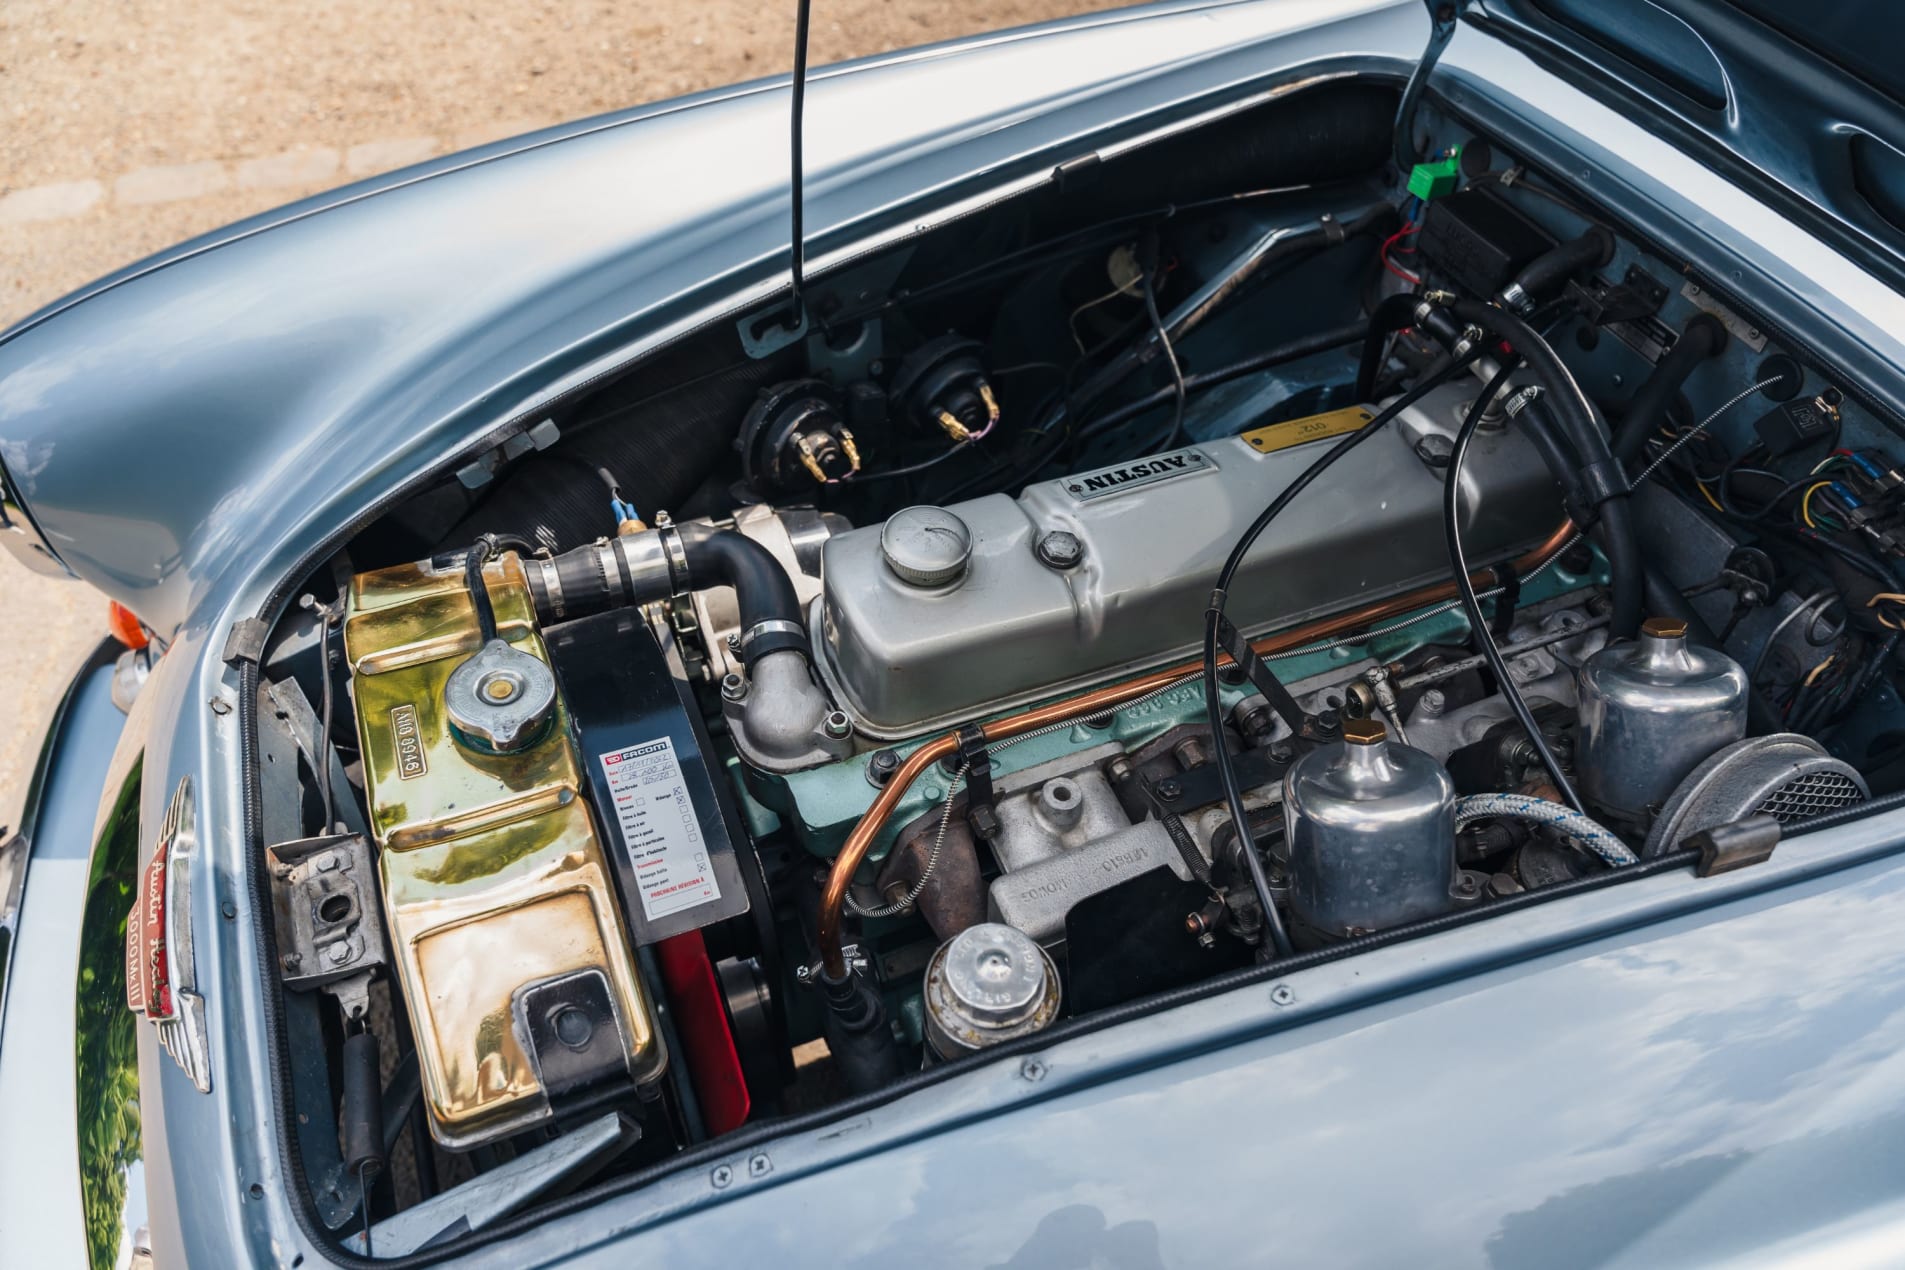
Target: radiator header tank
[[506, 933]]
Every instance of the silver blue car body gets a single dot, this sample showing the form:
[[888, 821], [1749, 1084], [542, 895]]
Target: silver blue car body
[[1674, 1071]]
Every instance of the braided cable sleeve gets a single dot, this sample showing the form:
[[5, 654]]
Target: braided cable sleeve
[[1575, 827]]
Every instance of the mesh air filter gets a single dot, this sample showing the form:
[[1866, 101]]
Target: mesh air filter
[[1786, 776]]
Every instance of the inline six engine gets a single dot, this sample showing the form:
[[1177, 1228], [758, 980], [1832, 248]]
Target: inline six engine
[[1190, 595]]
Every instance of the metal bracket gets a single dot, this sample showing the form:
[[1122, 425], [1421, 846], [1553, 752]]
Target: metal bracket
[[1510, 583], [976, 762], [765, 333], [324, 897], [808, 974], [1261, 677]]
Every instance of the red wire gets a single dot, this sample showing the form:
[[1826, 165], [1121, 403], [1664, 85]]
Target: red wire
[[1382, 254]]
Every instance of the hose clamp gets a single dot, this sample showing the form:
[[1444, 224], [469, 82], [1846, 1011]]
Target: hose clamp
[[677, 556], [1520, 401], [771, 626], [809, 974], [552, 586], [611, 570]]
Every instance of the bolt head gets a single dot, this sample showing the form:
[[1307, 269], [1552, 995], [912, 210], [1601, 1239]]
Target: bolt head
[[339, 952], [733, 687], [1060, 549], [839, 726], [1435, 450], [1170, 789]]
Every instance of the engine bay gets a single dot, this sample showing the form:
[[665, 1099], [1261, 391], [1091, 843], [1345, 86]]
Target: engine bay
[[870, 690]]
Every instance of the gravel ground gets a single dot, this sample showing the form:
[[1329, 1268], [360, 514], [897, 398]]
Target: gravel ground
[[127, 125]]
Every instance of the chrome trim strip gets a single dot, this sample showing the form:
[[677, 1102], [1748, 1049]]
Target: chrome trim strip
[[48, 1102], [16, 847]]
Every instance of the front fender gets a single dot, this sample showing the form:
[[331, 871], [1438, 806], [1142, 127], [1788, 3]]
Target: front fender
[[69, 1190]]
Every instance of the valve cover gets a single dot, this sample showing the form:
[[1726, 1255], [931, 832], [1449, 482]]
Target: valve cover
[[1109, 571]]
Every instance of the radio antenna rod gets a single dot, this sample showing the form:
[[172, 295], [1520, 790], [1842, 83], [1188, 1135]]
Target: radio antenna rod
[[795, 314]]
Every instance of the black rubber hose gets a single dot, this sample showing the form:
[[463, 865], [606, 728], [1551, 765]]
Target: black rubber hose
[[1664, 599], [1626, 567], [862, 1044], [1471, 603], [1555, 265], [1573, 421], [769, 607], [1562, 463], [473, 582], [661, 446], [596, 578], [1702, 337]]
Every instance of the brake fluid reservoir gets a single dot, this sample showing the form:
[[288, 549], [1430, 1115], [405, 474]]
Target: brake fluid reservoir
[[507, 937], [1651, 712], [1370, 829]]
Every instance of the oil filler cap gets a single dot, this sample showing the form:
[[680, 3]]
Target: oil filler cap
[[926, 546]]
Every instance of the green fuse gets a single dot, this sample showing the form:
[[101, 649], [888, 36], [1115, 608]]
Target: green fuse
[[1433, 180]]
